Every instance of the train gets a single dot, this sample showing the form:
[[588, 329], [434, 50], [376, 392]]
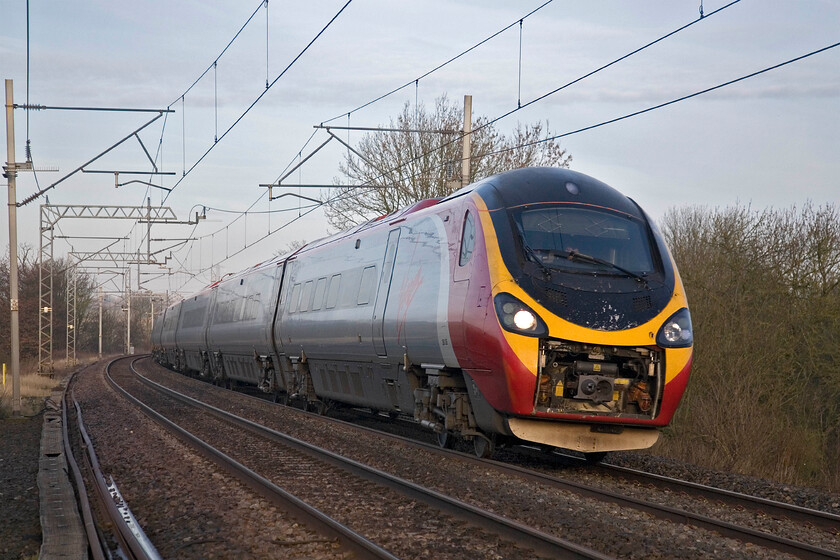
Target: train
[[538, 306]]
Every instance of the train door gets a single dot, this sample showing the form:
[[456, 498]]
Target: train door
[[468, 287], [382, 292], [274, 306]]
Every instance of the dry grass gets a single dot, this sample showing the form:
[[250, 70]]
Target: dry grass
[[34, 388]]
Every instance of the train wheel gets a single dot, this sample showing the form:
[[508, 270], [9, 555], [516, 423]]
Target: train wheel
[[205, 371], [318, 407], [445, 439], [594, 458], [483, 447], [281, 398]]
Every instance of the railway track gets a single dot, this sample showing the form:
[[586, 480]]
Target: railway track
[[329, 527], [775, 509], [321, 475], [783, 512], [117, 523], [188, 507], [780, 511], [819, 523], [133, 542]]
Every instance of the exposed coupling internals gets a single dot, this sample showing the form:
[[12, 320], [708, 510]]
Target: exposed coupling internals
[[538, 304]]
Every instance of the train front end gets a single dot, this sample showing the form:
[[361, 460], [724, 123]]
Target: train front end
[[592, 321]]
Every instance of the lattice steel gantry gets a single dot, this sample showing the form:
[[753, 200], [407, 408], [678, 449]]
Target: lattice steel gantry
[[50, 216]]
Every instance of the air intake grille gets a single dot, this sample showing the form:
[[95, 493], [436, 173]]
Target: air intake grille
[[642, 303], [557, 297]]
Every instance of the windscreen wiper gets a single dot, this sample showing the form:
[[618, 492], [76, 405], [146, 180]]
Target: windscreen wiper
[[531, 255], [582, 257]]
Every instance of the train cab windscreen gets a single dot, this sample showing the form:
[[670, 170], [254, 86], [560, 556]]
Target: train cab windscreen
[[582, 240]]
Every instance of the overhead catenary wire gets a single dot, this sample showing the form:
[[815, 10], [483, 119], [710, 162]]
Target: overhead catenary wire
[[213, 65], [249, 210], [519, 103], [660, 105], [521, 106], [185, 171], [261, 95], [531, 102], [224, 50], [347, 192], [461, 54], [415, 81], [306, 211], [440, 66], [182, 96], [673, 101]]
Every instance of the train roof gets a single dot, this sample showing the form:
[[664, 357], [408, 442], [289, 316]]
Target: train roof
[[535, 185]]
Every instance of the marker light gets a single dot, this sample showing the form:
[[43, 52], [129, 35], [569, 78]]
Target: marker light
[[517, 317], [676, 332]]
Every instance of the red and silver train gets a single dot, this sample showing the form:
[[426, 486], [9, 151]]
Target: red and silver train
[[537, 305]]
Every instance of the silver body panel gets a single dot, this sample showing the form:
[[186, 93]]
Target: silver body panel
[[240, 321], [191, 337]]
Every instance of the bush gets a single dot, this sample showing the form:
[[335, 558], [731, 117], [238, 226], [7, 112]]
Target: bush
[[764, 397]]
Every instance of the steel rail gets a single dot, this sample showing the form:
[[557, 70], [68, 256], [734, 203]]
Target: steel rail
[[313, 518], [773, 508], [796, 513], [745, 534], [538, 541], [94, 542], [130, 535], [726, 529]]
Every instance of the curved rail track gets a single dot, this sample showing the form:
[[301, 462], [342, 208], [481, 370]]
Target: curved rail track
[[320, 522], [308, 458], [816, 519], [133, 542], [779, 510], [761, 506]]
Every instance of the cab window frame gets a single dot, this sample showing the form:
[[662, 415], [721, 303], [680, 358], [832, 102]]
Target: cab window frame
[[467, 246]]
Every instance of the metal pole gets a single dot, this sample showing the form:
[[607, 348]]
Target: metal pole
[[11, 175], [71, 275], [69, 317], [100, 322], [128, 312], [467, 142], [148, 235], [152, 320], [75, 309]]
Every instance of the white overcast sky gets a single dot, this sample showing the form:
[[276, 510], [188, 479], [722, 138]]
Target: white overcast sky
[[773, 140]]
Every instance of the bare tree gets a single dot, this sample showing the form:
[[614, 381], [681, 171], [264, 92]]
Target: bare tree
[[395, 169], [290, 247], [29, 302]]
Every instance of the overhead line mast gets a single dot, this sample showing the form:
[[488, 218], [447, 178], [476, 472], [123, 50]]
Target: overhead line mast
[[10, 172]]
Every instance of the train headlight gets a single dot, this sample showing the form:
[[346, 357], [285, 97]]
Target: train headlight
[[676, 332], [524, 320], [517, 317]]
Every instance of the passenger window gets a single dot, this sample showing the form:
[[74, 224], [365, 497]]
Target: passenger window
[[366, 286], [467, 240], [294, 301], [306, 297], [332, 292], [320, 288]]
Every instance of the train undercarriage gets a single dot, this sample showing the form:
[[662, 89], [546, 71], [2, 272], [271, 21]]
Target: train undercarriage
[[573, 378]]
